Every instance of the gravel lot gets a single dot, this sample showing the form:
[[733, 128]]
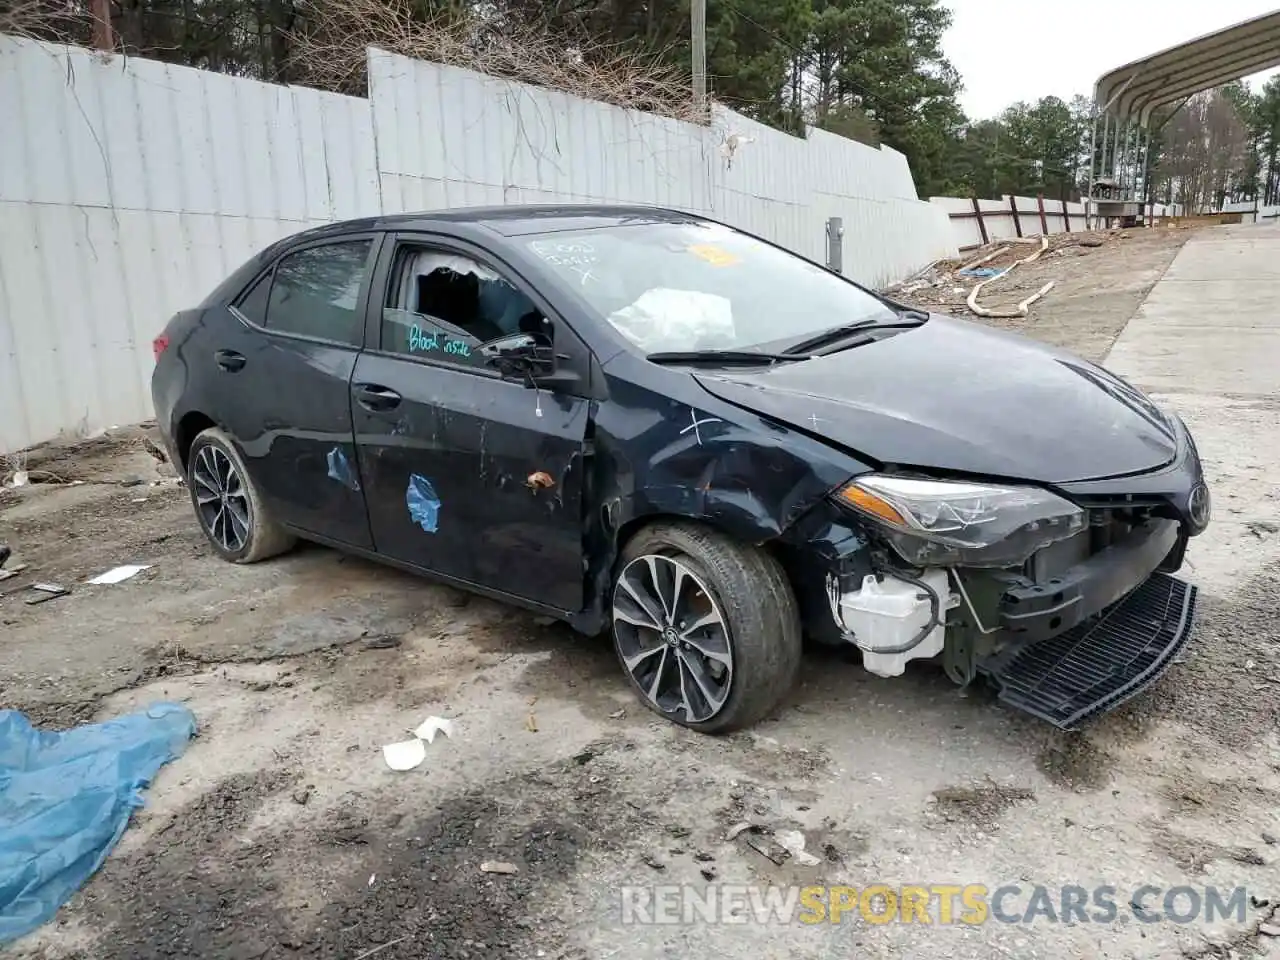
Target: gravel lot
[[281, 833], [1100, 278]]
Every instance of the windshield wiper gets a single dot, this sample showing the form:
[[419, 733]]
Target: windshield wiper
[[907, 318], [910, 313], [725, 357]]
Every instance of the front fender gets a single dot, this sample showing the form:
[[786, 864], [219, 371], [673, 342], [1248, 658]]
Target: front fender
[[696, 458]]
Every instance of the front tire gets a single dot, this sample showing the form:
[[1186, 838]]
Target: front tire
[[707, 629], [227, 503]]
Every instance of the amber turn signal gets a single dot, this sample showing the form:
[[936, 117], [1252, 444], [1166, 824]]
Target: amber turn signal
[[870, 503]]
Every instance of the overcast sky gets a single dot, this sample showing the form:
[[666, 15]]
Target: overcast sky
[[1063, 47]]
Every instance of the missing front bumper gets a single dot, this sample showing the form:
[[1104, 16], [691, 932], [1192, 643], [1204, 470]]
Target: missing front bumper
[[1036, 612], [1102, 662]]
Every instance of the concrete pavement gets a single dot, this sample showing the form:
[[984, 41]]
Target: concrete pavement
[[1206, 343]]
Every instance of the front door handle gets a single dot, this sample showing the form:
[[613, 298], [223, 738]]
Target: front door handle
[[229, 360], [371, 396]]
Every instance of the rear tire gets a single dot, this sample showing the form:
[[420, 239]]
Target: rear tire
[[730, 650], [228, 504]]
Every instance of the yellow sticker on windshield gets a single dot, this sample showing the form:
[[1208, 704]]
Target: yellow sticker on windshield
[[713, 255]]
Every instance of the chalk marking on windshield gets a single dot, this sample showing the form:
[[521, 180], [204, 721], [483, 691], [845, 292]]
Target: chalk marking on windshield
[[696, 423], [550, 247], [565, 253]]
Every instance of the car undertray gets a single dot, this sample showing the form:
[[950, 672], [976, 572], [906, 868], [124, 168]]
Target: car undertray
[[1102, 662]]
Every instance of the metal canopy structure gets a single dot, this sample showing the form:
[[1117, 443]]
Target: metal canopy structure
[[1136, 89], [1125, 99]]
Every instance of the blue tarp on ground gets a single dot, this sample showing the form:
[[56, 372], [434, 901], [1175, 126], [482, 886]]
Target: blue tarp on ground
[[65, 799]]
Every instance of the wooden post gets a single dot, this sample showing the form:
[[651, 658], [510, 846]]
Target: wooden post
[[982, 227], [103, 36], [1013, 205], [1044, 223], [1066, 216]]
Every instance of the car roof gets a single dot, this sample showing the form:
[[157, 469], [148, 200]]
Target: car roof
[[512, 220]]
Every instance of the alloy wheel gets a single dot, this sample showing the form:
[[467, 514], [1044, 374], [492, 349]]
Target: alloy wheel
[[672, 637], [221, 498]]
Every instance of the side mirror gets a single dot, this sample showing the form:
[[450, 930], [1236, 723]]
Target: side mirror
[[521, 356]]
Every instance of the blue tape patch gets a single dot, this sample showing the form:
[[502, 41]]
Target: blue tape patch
[[340, 469], [423, 504]]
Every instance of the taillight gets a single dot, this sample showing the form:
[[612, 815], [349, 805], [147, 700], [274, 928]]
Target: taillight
[[160, 344]]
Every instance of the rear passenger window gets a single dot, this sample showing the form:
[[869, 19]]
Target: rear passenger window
[[253, 305], [316, 292]]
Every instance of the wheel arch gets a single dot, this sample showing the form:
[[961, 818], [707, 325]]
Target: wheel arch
[[632, 526], [190, 426], [622, 532], [761, 534]]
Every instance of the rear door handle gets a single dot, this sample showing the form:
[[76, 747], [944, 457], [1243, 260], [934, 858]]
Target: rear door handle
[[371, 396], [229, 360]]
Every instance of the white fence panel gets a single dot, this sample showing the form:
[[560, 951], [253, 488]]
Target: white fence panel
[[998, 218], [965, 231], [129, 188], [449, 137], [1254, 212]]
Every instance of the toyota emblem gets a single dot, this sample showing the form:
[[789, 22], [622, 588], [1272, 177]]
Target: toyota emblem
[[1199, 506]]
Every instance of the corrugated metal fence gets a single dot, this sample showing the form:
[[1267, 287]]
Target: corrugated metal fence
[[129, 188]]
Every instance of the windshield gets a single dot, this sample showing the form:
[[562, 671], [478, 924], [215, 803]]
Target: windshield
[[697, 286]]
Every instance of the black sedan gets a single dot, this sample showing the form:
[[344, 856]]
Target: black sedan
[[641, 420]]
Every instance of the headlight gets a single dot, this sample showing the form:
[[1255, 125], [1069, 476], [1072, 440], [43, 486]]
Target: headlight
[[935, 523]]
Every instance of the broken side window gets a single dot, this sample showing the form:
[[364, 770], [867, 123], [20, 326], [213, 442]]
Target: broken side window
[[443, 306]]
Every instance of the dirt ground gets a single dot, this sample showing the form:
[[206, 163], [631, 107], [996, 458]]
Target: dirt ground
[[1100, 278], [281, 833]]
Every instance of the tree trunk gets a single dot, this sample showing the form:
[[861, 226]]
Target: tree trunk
[[282, 21]]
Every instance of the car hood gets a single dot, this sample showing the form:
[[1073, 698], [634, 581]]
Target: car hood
[[957, 396]]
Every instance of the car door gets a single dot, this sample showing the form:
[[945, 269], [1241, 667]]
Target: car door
[[467, 474], [286, 368]]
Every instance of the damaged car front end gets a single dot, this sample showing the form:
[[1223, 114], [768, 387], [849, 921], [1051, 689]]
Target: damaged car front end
[[1062, 596]]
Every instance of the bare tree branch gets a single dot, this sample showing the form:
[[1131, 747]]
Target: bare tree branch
[[41, 20], [329, 52]]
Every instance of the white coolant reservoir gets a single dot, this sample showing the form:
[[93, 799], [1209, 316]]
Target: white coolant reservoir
[[887, 614]]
